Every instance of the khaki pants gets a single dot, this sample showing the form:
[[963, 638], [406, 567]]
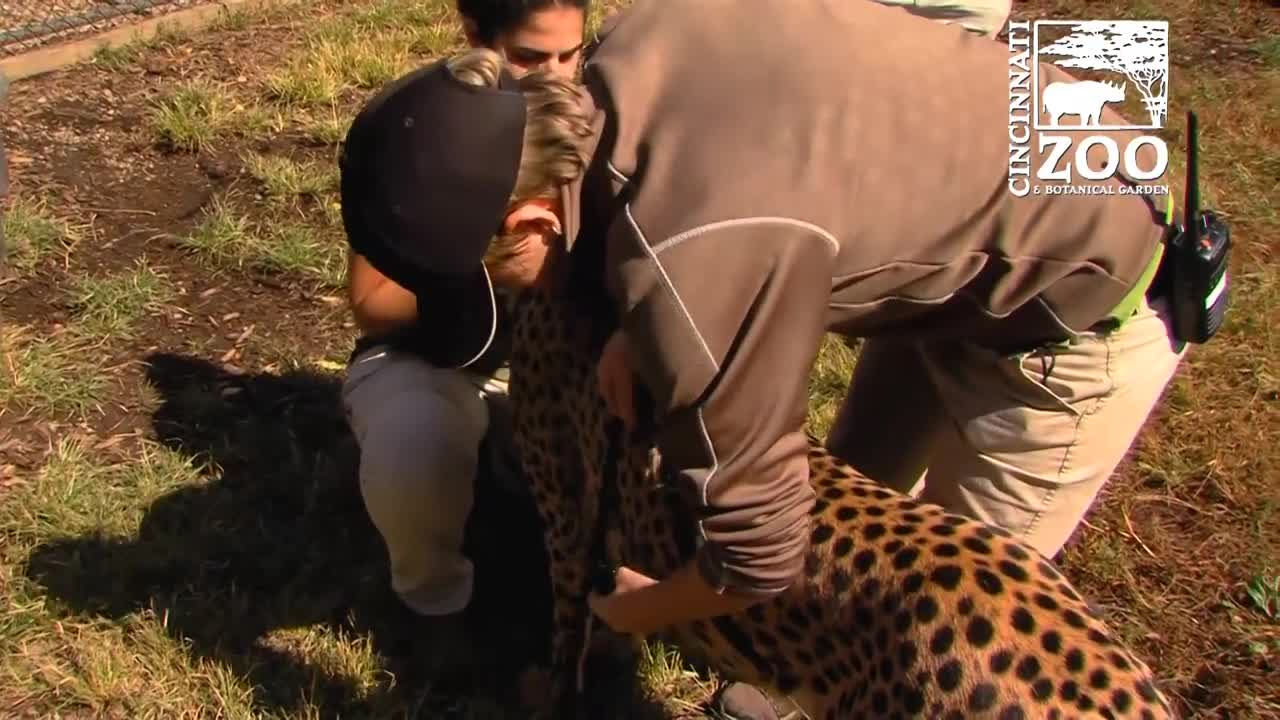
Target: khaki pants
[[984, 17], [1023, 441], [420, 430]]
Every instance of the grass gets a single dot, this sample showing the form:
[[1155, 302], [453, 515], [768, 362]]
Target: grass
[[281, 176], [160, 580], [328, 129], [246, 17], [129, 666], [1269, 51], [828, 383], [229, 237], [50, 376], [118, 57], [293, 247], [223, 567], [124, 55], [361, 51], [676, 687], [1264, 591], [330, 67], [110, 306], [77, 494], [1183, 544], [222, 234], [33, 233], [193, 115], [307, 83]]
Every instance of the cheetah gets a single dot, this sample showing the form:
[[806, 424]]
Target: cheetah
[[904, 610]]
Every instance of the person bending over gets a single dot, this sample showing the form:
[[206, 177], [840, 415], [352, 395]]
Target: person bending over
[[424, 386], [851, 175]]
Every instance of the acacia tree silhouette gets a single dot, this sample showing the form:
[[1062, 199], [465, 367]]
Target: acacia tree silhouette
[[1138, 50]]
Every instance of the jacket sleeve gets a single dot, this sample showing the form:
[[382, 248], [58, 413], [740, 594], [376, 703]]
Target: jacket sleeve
[[723, 326]]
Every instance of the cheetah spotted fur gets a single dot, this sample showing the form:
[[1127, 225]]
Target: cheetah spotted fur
[[904, 610]]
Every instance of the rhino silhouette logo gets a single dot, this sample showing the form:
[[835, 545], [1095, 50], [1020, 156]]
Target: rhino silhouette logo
[[1085, 98], [1128, 55]]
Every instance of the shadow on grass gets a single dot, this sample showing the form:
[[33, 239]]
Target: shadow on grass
[[279, 539]]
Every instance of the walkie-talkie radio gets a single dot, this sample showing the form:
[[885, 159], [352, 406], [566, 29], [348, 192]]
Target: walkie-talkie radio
[[1199, 290]]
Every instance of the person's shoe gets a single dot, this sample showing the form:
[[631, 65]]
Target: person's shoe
[[740, 701]]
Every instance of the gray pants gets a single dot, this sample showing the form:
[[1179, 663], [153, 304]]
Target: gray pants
[[420, 430]]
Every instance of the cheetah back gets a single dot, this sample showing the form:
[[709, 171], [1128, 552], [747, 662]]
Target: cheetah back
[[903, 610]]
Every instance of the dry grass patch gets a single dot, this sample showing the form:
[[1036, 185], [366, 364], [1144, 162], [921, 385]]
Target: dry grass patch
[[222, 234], [669, 682], [245, 17], [326, 129], [108, 307], [122, 56], [81, 491], [306, 83], [1269, 50], [231, 238], [138, 581], [363, 50], [61, 663], [829, 382], [284, 177], [194, 114], [330, 67], [33, 233], [119, 57], [49, 376], [306, 249], [1186, 540]]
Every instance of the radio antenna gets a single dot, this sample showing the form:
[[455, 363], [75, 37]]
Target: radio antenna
[[1192, 209]]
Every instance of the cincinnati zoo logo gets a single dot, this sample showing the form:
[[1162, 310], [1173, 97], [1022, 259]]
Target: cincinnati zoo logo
[[1110, 62]]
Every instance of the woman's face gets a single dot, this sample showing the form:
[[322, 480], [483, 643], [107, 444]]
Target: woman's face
[[551, 39]]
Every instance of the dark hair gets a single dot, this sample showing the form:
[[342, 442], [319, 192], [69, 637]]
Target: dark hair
[[495, 17]]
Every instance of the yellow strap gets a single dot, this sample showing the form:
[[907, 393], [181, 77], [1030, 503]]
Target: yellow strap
[[1129, 304]]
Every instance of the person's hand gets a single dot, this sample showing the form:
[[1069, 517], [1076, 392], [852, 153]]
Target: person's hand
[[612, 608], [616, 381]]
